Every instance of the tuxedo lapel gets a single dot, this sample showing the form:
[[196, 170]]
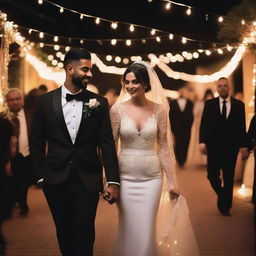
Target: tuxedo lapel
[[57, 107]]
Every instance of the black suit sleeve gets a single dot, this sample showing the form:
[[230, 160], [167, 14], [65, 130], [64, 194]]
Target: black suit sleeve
[[251, 133], [203, 125], [107, 146], [37, 140]]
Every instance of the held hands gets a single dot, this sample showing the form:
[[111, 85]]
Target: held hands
[[111, 193]]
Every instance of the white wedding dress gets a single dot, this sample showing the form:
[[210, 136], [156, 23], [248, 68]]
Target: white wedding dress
[[143, 157]]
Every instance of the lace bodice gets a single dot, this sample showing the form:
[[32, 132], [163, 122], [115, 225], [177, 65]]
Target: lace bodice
[[152, 136]]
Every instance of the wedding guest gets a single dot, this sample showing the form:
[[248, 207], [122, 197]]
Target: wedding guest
[[222, 134]]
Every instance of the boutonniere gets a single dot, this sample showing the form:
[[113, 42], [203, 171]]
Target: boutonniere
[[90, 107]]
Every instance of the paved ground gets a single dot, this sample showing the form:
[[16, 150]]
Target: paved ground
[[216, 235]]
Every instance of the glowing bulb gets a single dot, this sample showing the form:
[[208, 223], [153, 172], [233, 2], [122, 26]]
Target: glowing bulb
[[113, 41], [54, 62], [207, 52], [220, 51], [184, 40], [67, 48], [242, 22], [117, 59], [81, 16], [41, 45], [41, 35], [114, 25], [170, 36], [97, 21], [81, 41], [229, 48], [206, 17], [30, 31], [56, 39], [153, 31], [56, 47], [254, 23], [168, 6], [40, 1], [220, 19], [143, 41], [188, 12], [50, 57], [195, 55], [60, 65], [61, 10], [126, 61], [158, 39], [108, 57], [128, 42], [58, 54], [131, 28]]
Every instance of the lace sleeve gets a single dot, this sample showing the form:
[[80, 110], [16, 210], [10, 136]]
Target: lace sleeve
[[115, 122], [165, 147]]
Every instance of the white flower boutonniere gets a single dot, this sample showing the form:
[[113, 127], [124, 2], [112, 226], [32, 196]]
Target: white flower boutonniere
[[90, 107]]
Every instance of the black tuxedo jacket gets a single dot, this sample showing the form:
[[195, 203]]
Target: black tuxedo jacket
[[216, 132], [181, 121], [94, 142]]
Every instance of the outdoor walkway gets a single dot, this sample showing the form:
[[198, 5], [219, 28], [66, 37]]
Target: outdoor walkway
[[217, 235]]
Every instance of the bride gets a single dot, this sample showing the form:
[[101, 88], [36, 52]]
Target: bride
[[140, 120]]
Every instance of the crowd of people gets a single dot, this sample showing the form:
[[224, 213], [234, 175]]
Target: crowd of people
[[60, 140]]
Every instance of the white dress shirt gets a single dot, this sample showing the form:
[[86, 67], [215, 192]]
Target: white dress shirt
[[228, 105], [72, 112], [182, 103], [23, 134]]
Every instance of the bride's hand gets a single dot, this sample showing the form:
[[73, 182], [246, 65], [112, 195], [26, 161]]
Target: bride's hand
[[174, 194]]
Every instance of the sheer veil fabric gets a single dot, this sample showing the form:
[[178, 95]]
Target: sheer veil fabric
[[175, 234]]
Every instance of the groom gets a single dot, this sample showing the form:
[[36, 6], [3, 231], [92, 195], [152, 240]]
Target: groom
[[75, 125]]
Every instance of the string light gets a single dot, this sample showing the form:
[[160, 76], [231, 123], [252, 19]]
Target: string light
[[206, 17], [114, 25], [188, 12], [184, 40], [41, 35], [220, 51], [158, 39], [208, 52], [168, 6], [30, 31], [170, 36], [153, 31], [117, 59], [254, 23], [56, 39], [41, 45], [81, 16], [40, 1], [131, 28], [50, 57], [108, 57], [61, 10], [56, 47], [242, 22], [67, 48], [128, 42], [113, 41], [81, 41], [97, 21], [220, 19]]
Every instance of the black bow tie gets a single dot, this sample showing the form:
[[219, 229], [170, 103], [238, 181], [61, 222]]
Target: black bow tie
[[78, 96]]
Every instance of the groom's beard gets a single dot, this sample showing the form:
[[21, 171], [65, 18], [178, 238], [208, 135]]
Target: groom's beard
[[81, 83]]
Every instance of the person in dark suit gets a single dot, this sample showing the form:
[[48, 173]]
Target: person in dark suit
[[75, 124], [222, 133], [21, 163], [181, 118]]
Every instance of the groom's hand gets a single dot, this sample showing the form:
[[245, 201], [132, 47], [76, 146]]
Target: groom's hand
[[111, 193]]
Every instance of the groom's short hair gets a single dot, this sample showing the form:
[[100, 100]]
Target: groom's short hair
[[76, 54]]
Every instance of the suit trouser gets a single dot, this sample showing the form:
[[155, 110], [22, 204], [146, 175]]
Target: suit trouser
[[222, 158], [73, 209]]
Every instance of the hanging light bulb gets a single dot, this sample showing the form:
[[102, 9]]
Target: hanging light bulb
[[229, 48], [206, 17], [113, 41], [67, 48], [114, 25], [126, 61], [188, 12], [128, 42], [220, 19], [41, 45], [108, 57], [41, 35], [184, 40], [242, 22], [56, 39], [81, 41], [81, 16], [153, 31], [168, 6], [254, 23], [56, 47], [40, 1], [117, 59], [97, 21], [158, 39], [131, 28], [195, 55], [170, 36], [30, 31], [50, 57], [208, 52], [220, 51], [61, 10]]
